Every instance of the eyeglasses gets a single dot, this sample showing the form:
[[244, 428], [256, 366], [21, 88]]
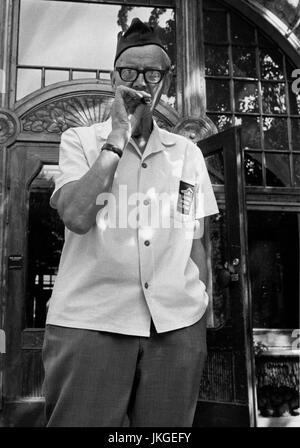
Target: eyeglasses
[[129, 74]]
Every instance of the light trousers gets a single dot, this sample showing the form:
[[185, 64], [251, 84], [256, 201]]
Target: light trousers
[[101, 379]]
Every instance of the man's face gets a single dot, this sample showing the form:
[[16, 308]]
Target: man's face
[[144, 57]]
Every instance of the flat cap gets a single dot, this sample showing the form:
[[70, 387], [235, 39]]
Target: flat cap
[[138, 34]]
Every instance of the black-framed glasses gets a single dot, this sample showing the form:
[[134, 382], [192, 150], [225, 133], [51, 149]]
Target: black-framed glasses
[[151, 76]]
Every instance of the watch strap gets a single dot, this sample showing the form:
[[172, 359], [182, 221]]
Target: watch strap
[[113, 148]]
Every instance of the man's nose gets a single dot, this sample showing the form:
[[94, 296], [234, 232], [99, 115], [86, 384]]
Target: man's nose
[[140, 81]]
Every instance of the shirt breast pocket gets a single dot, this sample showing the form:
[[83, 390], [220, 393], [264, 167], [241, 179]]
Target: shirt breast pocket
[[182, 200]]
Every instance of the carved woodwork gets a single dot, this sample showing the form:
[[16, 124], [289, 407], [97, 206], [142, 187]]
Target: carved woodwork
[[9, 126], [55, 116], [59, 115], [196, 129]]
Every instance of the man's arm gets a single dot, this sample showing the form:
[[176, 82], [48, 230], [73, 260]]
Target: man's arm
[[76, 202], [198, 253]]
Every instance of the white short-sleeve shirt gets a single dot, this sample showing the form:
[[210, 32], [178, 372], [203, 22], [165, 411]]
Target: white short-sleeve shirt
[[134, 264]]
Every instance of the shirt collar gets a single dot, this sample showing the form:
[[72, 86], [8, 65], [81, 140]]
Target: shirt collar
[[158, 140], [165, 137]]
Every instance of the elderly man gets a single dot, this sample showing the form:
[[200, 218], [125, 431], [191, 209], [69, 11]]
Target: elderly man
[[125, 338]]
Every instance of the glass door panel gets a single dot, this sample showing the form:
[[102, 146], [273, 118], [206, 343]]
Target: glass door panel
[[273, 238], [45, 241]]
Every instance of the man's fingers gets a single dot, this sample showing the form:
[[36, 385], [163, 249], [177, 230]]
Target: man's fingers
[[136, 117], [132, 92], [130, 104]]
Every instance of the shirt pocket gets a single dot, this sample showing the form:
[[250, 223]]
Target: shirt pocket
[[182, 200]]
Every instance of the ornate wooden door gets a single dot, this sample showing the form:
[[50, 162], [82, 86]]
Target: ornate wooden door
[[227, 389]]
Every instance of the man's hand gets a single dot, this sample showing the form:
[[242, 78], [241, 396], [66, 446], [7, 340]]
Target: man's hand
[[126, 112]]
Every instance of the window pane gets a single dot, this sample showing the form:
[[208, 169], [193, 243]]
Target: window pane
[[221, 121], [290, 67], [275, 133], [250, 132], [253, 168], [218, 95], [296, 170], [83, 75], [215, 166], [277, 170], [216, 60], [105, 76], [295, 134], [241, 31], [246, 96], [244, 62], [53, 76], [215, 28], [69, 34], [27, 82], [264, 41], [273, 98], [271, 64]]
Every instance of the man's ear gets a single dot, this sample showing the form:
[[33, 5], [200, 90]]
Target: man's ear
[[113, 79], [167, 82]]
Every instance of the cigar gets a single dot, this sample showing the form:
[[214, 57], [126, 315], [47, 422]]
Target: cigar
[[147, 100]]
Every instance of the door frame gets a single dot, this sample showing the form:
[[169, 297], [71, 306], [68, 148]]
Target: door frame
[[242, 412]]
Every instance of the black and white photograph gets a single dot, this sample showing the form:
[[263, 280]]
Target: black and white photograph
[[150, 217]]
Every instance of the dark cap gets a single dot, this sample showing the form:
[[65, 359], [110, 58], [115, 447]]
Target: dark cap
[[138, 34]]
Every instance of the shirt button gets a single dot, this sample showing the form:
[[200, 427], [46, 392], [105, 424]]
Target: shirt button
[[146, 285], [144, 165], [146, 202], [147, 243]]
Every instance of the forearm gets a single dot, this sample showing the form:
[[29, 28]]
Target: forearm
[[77, 201]]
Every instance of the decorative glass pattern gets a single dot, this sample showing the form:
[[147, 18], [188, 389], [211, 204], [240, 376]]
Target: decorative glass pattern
[[249, 82]]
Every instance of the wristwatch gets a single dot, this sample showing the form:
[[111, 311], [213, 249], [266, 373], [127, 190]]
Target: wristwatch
[[110, 147]]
